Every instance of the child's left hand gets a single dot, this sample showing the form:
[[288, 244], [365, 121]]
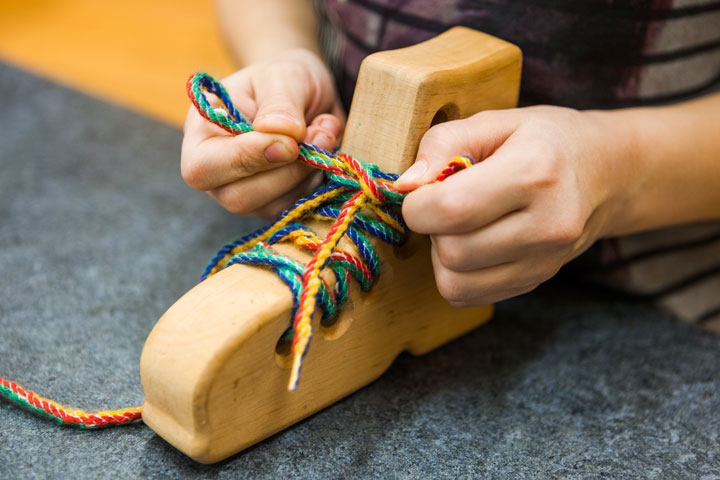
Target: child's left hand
[[547, 183]]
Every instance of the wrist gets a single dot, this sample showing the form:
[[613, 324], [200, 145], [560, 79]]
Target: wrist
[[670, 162], [244, 24], [620, 170]]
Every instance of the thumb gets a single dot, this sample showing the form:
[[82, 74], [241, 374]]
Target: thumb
[[281, 106], [476, 137]]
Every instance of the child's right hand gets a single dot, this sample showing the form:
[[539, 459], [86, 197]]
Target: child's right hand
[[288, 99]]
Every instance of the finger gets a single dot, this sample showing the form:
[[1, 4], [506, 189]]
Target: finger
[[273, 209], [223, 159], [281, 103], [324, 131], [328, 123], [509, 239], [211, 157], [476, 137], [482, 287], [471, 198], [246, 195]]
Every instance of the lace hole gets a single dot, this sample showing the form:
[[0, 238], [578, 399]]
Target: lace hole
[[334, 328], [446, 113], [283, 353]]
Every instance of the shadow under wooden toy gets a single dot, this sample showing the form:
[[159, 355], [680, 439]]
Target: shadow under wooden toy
[[213, 369]]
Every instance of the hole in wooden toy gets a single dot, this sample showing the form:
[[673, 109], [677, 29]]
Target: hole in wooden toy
[[446, 113], [334, 328], [439, 117], [283, 354]]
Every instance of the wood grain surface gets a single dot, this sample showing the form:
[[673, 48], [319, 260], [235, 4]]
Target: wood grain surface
[[213, 371]]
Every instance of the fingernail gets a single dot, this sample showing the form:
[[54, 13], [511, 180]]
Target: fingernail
[[414, 173], [328, 123], [277, 152], [322, 140]]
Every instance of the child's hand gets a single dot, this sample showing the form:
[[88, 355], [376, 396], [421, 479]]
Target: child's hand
[[255, 172], [547, 184]]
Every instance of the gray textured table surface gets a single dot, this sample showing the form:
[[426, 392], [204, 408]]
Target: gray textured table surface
[[98, 236]]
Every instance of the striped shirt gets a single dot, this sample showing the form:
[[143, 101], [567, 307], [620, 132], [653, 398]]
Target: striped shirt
[[589, 54]]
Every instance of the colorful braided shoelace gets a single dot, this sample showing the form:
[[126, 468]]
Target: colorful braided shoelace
[[351, 186]]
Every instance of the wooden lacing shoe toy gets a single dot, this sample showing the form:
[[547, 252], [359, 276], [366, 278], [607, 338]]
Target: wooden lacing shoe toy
[[215, 368]]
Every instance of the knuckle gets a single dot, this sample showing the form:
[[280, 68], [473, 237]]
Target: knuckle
[[537, 174], [451, 287], [452, 208], [534, 274], [441, 136], [194, 173], [234, 200], [238, 204], [564, 231], [450, 253], [438, 132]]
